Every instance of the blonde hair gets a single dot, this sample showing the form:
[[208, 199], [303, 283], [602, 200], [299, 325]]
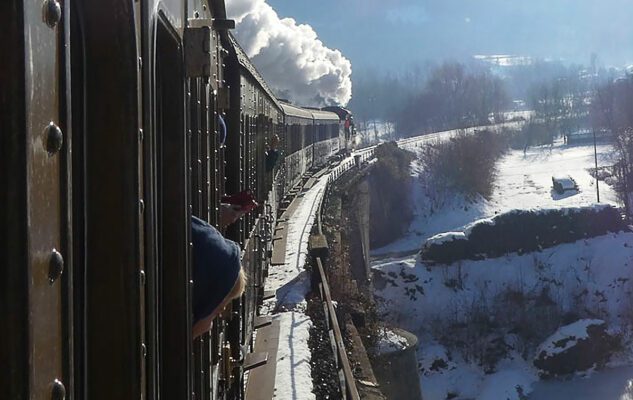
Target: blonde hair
[[239, 286], [204, 325]]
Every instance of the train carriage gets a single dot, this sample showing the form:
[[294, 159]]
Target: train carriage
[[254, 116], [115, 145], [297, 139], [111, 141], [327, 130]]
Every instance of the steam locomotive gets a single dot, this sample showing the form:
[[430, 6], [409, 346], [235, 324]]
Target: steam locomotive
[[119, 121]]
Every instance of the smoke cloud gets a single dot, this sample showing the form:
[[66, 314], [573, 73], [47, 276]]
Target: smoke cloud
[[291, 58]]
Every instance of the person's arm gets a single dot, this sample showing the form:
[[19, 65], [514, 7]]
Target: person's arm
[[272, 156], [229, 213]]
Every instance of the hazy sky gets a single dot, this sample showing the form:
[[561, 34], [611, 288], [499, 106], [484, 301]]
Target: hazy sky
[[389, 34]]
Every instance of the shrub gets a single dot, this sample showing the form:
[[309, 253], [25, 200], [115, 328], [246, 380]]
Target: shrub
[[522, 231], [466, 162], [390, 192]]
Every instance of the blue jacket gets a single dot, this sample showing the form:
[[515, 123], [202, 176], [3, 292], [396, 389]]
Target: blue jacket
[[216, 267]]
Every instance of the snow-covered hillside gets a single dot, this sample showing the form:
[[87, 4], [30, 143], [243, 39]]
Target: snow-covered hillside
[[486, 303], [592, 274], [480, 322]]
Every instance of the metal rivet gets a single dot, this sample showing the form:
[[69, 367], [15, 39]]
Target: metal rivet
[[58, 391], [52, 13], [54, 138], [56, 266]]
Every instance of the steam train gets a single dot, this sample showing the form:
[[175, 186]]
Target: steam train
[[119, 121]]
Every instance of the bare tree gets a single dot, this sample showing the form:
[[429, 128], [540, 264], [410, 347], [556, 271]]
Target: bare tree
[[454, 97], [610, 110]]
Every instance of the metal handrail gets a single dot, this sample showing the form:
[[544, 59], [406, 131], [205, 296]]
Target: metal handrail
[[349, 389]]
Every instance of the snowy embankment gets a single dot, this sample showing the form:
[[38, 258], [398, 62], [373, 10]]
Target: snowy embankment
[[480, 322], [440, 303], [593, 273]]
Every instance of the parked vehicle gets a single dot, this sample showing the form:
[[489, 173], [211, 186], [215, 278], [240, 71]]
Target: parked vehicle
[[563, 183]]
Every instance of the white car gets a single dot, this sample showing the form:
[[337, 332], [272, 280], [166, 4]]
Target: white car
[[563, 183]]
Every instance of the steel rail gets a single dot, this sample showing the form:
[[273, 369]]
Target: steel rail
[[348, 384]]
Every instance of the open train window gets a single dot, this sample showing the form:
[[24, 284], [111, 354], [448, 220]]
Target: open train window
[[307, 134], [297, 137]]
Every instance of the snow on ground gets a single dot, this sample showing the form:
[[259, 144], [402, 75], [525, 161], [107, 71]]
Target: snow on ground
[[523, 182], [293, 378], [463, 380], [291, 283], [449, 374], [593, 273], [389, 341], [513, 380], [612, 384], [415, 298]]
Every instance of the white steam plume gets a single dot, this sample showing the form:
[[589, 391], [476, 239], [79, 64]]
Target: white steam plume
[[294, 62]]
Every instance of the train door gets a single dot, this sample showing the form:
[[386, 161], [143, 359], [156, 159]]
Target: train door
[[107, 194], [108, 131], [308, 139], [170, 273]]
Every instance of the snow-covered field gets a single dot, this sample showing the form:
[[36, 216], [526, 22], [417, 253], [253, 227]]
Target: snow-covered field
[[526, 181], [523, 182], [441, 304]]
